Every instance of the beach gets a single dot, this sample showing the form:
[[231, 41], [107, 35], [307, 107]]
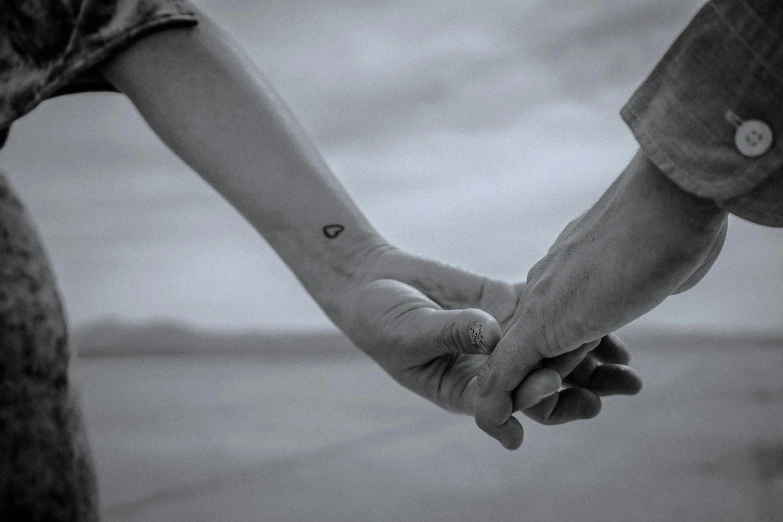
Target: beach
[[239, 437]]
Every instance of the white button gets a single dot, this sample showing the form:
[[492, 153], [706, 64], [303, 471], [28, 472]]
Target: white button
[[753, 138]]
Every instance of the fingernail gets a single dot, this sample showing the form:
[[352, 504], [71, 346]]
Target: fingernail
[[477, 336]]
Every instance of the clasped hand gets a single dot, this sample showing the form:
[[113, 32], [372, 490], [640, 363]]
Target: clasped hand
[[431, 326]]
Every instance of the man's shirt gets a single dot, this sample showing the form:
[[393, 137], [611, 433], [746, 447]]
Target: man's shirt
[[710, 115]]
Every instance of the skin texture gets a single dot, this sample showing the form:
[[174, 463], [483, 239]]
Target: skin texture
[[429, 311], [644, 240], [415, 317]]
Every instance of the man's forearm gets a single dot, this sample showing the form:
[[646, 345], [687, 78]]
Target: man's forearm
[[211, 106], [642, 240]]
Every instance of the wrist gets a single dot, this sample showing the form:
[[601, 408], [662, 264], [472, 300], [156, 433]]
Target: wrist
[[639, 243], [684, 209], [345, 268]]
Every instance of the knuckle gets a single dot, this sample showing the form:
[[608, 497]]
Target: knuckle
[[449, 337], [553, 418], [485, 424], [553, 332], [596, 406], [486, 378], [594, 413], [548, 415], [562, 322], [535, 414]]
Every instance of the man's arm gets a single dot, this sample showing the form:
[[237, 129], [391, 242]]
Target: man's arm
[[709, 115], [708, 120], [643, 240]]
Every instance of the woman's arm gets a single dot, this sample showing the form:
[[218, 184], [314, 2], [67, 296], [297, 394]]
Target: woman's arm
[[212, 107], [427, 324]]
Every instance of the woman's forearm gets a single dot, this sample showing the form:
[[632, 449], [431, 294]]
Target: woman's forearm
[[212, 107]]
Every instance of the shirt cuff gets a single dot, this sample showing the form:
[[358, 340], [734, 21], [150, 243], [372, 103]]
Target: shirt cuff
[[709, 115]]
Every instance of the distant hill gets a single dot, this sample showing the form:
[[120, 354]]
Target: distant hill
[[110, 337], [107, 338]]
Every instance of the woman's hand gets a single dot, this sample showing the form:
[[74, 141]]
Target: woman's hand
[[430, 326]]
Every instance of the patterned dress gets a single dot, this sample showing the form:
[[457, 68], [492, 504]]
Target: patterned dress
[[48, 48]]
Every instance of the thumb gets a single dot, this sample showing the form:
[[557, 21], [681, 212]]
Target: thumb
[[469, 331], [454, 288]]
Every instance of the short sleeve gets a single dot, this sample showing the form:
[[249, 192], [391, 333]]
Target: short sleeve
[[710, 115], [50, 47]]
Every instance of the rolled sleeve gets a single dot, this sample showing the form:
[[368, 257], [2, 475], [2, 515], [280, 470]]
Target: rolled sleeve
[[51, 47], [724, 69]]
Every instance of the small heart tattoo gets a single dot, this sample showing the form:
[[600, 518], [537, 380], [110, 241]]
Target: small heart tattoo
[[332, 231]]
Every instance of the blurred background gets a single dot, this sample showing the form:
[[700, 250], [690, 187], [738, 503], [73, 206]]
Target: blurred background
[[467, 131]]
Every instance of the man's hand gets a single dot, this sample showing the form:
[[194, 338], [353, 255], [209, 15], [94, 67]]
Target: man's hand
[[430, 326], [642, 241]]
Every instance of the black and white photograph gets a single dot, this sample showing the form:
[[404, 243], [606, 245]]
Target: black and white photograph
[[391, 260]]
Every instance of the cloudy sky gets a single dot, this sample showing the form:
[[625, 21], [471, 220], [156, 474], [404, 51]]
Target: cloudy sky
[[469, 131]]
